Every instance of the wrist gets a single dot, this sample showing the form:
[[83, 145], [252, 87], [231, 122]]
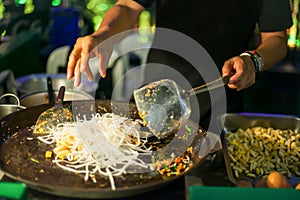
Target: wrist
[[256, 59]]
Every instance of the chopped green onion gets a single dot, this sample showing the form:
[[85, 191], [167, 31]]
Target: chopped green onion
[[34, 160], [188, 128]]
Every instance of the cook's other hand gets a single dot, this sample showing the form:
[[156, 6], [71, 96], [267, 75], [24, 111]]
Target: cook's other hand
[[248, 63], [83, 50], [121, 17]]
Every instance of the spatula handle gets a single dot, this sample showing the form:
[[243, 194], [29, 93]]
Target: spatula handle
[[211, 85], [60, 96]]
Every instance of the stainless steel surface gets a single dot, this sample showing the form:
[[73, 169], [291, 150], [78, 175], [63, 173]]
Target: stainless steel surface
[[38, 82], [38, 98], [234, 121], [6, 109]]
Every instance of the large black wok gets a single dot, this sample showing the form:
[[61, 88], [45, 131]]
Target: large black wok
[[22, 156]]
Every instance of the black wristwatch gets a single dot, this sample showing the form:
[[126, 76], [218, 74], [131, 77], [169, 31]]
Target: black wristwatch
[[256, 59]]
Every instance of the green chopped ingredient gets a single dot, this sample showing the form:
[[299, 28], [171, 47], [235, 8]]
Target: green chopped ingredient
[[34, 160], [153, 159], [188, 128]]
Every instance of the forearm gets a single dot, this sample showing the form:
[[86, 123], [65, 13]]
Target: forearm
[[273, 48], [121, 17]]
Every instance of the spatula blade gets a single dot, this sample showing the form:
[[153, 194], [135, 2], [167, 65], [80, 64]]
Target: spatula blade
[[53, 116], [160, 106]]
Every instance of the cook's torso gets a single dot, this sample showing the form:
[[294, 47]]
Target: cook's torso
[[223, 27]]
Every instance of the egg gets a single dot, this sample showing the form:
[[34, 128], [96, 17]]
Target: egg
[[243, 183], [276, 180], [261, 183]]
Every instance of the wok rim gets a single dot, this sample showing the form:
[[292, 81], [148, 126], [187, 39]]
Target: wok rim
[[90, 193]]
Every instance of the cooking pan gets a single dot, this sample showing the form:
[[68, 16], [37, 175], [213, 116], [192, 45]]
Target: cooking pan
[[22, 156], [42, 97], [6, 109], [38, 82]]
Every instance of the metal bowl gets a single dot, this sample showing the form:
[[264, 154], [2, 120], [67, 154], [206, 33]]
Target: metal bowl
[[6, 109], [38, 82], [38, 98]]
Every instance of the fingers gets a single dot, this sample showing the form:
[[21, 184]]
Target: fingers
[[87, 46], [104, 60], [244, 72], [78, 72], [89, 74], [77, 75], [79, 58], [73, 60], [227, 67]]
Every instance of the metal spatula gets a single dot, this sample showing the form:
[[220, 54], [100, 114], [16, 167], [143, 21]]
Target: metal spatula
[[163, 105], [53, 116]]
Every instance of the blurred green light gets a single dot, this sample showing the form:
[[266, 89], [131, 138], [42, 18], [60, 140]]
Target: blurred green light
[[29, 7], [102, 7], [143, 39], [20, 1], [97, 20], [56, 2], [2, 10], [145, 15]]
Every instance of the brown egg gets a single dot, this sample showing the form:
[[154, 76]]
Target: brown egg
[[261, 183], [276, 180], [298, 186], [243, 183]]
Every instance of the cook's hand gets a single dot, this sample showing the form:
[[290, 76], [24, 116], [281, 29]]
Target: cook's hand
[[244, 72], [85, 48]]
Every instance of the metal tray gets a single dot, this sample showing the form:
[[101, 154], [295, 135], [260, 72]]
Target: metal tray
[[234, 121]]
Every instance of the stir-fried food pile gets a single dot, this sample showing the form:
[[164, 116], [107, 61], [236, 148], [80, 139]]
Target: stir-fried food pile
[[174, 166], [116, 150], [107, 144], [258, 151]]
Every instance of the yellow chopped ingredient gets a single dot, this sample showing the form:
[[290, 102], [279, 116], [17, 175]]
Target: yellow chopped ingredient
[[48, 154], [63, 154], [258, 151]]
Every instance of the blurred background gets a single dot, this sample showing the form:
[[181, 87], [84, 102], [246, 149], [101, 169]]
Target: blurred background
[[37, 37]]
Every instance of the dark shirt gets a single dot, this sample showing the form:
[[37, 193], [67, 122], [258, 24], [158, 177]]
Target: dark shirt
[[271, 11], [224, 28]]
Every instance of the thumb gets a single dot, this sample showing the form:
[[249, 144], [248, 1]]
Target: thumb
[[227, 68]]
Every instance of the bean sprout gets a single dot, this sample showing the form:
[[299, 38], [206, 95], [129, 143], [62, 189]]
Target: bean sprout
[[107, 144]]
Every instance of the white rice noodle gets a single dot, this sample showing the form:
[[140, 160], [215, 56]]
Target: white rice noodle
[[107, 144]]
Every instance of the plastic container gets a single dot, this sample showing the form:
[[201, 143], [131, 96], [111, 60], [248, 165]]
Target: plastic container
[[64, 29], [234, 193], [13, 191]]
